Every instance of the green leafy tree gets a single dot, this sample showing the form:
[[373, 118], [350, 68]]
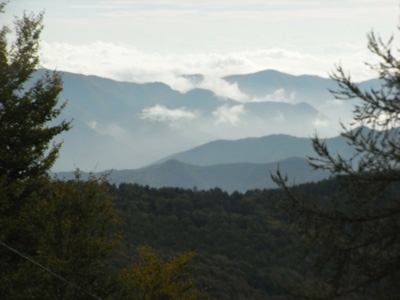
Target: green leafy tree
[[24, 114], [73, 229], [353, 237], [152, 278], [25, 135], [55, 236]]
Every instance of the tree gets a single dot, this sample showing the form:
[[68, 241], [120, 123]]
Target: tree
[[53, 234], [152, 278], [73, 229], [24, 114], [354, 236], [24, 133]]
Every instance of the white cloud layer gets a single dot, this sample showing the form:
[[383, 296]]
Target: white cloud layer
[[319, 122], [229, 114], [112, 129], [279, 117], [161, 113], [279, 95], [127, 63], [222, 88]]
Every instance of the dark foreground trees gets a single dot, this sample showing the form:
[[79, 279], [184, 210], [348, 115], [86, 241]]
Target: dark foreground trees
[[354, 234], [69, 232], [24, 133], [24, 140], [54, 235]]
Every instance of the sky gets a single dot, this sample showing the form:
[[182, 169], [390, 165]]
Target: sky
[[160, 40]]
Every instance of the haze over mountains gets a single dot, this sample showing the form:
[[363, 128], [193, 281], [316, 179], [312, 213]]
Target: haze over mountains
[[237, 165], [123, 125], [228, 177], [268, 149]]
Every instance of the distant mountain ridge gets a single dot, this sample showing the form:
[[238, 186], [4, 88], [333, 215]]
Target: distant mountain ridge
[[236, 165], [267, 149], [307, 87], [228, 177], [120, 125]]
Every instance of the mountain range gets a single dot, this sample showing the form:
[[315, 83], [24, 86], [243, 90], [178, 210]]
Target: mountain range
[[238, 165], [230, 137], [125, 125], [267, 149], [228, 177]]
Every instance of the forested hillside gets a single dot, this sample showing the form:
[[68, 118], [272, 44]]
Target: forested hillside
[[243, 251]]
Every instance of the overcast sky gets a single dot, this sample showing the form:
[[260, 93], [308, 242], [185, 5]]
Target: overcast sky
[[158, 40]]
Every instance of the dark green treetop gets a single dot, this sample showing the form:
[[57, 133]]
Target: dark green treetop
[[25, 133]]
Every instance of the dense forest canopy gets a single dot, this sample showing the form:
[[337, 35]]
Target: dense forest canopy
[[242, 249]]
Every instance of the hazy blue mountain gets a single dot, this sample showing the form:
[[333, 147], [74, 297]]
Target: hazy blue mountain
[[314, 90], [293, 112], [106, 99], [228, 177], [121, 125], [305, 87], [266, 149], [233, 165]]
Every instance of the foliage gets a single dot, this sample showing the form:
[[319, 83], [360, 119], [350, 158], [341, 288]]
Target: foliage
[[24, 114], [24, 138], [71, 227], [241, 251], [155, 279], [24, 132], [356, 233]]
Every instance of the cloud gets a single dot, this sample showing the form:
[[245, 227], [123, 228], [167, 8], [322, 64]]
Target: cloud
[[127, 63], [211, 2], [92, 124], [221, 88], [239, 4], [279, 117], [161, 113], [320, 122], [334, 102], [229, 114], [279, 95], [111, 129]]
